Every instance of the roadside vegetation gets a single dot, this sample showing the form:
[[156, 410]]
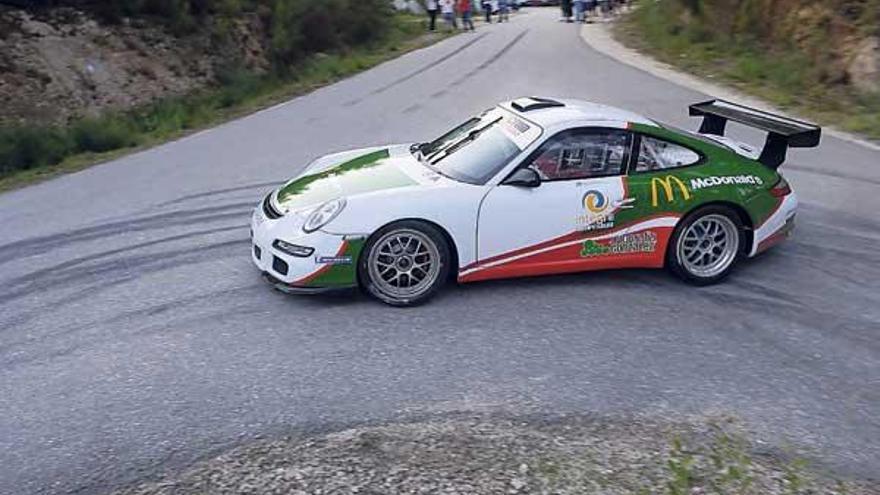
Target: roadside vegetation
[[310, 44], [819, 59]]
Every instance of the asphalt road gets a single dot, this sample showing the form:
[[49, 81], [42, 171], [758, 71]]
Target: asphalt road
[[135, 334]]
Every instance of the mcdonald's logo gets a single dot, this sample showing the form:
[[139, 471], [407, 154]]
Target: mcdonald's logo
[[667, 183]]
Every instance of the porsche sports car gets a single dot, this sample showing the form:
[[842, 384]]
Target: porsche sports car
[[533, 186]]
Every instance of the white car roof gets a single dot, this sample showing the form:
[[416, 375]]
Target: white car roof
[[557, 112]]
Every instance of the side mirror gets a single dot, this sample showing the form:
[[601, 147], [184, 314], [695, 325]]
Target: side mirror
[[524, 177]]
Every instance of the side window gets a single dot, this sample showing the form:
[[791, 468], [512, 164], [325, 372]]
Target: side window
[[656, 154], [583, 154]]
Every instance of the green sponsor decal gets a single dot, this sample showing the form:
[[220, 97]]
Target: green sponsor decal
[[371, 172], [642, 242], [340, 274]]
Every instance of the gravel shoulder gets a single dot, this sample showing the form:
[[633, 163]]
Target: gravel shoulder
[[565, 455]]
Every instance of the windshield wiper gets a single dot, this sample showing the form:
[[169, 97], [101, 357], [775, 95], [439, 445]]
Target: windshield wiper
[[416, 150], [469, 138]]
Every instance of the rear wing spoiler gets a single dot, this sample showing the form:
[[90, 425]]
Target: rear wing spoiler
[[782, 132]]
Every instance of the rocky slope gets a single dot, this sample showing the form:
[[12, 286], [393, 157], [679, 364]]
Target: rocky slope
[[61, 63]]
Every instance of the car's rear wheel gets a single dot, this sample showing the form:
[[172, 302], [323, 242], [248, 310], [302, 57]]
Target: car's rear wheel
[[405, 263], [706, 245]]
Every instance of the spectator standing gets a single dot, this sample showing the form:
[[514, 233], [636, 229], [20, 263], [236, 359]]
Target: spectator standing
[[487, 9], [589, 9], [566, 10], [604, 7], [431, 8], [504, 10], [447, 8], [466, 10], [578, 10]]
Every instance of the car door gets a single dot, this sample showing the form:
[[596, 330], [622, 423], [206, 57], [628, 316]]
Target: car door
[[541, 230]]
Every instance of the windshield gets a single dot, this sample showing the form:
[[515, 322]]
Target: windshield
[[476, 150]]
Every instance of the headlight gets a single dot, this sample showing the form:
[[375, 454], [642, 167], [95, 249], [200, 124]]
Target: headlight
[[293, 249], [270, 210], [323, 215]]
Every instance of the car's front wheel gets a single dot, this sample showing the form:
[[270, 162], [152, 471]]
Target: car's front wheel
[[706, 245], [405, 263]]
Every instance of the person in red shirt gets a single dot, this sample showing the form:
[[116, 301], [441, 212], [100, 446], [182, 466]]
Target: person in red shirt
[[466, 11]]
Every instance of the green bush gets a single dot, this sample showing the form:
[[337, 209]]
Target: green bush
[[163, 117], [237, 85], [302, 27], [103, 134], [26, 147]]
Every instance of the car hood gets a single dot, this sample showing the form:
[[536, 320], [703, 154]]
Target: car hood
[[363, 172]]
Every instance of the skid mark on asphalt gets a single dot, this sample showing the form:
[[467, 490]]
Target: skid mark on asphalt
[[217, 192], [121, 267], [790, 357], [91, 286], [809, 252], [838, 224], [763, 291], [61, 267], [842, 247], [780, 327], [44, 244], [137, 319], [491, 60], [136, 322], [772, 309], [454, 52]]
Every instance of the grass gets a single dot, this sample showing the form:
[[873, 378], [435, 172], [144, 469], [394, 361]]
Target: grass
[[783, 76], [31, 153], [717, 459], [725, 466]]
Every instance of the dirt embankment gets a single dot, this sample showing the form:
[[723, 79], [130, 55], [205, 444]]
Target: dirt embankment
[[840, 37], [62, 63]]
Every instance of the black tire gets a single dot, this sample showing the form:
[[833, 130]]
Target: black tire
[[685, 245], [379, 249]]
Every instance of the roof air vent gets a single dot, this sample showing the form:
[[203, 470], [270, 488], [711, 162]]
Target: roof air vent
[[534, 103]]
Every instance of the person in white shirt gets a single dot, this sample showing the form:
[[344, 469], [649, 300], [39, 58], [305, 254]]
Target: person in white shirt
[[447, 8], [431, 7]]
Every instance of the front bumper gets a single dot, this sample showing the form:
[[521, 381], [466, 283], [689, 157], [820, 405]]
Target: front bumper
[[332, 264], [295, 289]]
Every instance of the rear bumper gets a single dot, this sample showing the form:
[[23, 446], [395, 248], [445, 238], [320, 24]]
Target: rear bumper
[[778, 227]]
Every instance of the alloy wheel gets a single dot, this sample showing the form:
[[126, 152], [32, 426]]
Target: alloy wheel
[[404, 263], [708, 246]]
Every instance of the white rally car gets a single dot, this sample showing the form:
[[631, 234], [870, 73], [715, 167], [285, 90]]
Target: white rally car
[[531, 187]]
